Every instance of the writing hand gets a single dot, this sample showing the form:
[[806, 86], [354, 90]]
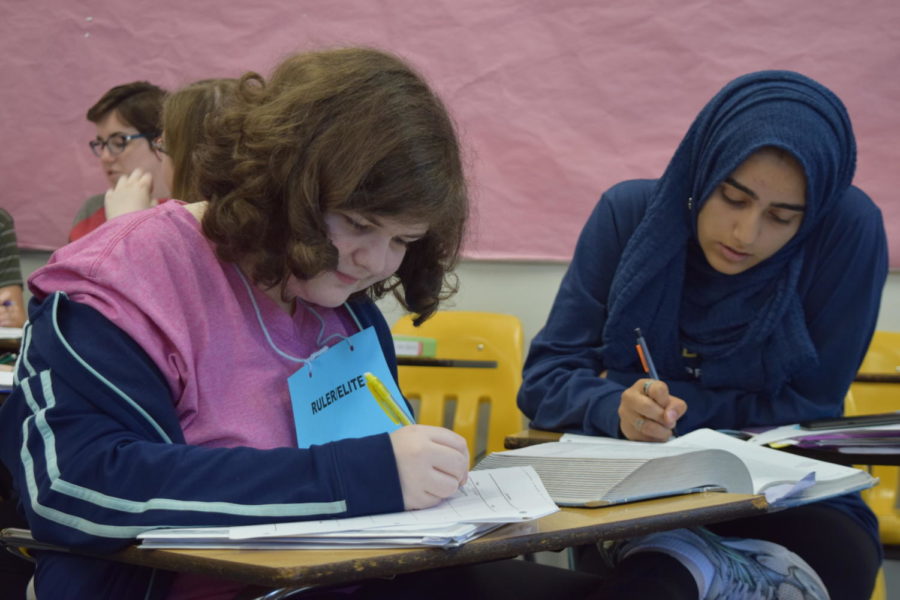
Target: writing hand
[[132, 193], [432, 463], [647, 413]]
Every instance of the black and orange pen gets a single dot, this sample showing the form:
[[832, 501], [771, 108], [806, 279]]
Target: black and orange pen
[[644, 355]]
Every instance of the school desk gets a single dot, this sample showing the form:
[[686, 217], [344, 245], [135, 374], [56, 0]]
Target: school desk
[[429, 361], [566, 528], [530, 437], [877, 377]]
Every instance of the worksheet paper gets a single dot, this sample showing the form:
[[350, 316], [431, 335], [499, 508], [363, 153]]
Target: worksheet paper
[[489, 498]]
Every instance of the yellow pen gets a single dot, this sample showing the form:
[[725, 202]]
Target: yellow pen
[[385, 401]]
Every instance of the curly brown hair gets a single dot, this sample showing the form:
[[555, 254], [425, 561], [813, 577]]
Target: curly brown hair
[[351, 129]]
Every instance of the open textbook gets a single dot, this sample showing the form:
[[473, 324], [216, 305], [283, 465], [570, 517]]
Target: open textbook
[[598, 471], [487, 500]]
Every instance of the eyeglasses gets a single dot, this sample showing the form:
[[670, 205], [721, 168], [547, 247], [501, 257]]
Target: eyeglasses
[[115, 143]]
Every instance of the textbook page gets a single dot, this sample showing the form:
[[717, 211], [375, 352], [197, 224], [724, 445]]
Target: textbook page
[[802, 479], [785, 479], [609, 471]]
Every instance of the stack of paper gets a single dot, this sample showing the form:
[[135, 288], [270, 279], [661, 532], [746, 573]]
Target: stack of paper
[[878, 439], [489, 498], [10, 333]]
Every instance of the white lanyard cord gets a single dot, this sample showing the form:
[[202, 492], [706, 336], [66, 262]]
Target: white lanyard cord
[[320, 343], [262, 324]]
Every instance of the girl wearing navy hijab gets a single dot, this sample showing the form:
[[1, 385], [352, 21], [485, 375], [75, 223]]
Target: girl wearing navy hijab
[[754, 269]]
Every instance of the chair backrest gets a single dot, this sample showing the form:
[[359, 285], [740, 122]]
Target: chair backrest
[[477, 403], [883, 357]]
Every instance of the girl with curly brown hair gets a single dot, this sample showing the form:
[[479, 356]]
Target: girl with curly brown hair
[[163, 348]]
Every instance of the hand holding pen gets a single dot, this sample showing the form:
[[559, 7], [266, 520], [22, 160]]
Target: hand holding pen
[[646, 411], [432, 462]]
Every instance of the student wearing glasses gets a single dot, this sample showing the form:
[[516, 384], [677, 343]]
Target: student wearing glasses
[[185, 113], [127, 118], [14, 572]]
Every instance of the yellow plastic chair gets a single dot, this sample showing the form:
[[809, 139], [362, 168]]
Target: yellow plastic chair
[[880, 591], [477, 403], [879, 498], [883, 356]]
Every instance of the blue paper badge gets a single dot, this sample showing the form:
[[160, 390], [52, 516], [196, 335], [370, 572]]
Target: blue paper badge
[[330, 396]]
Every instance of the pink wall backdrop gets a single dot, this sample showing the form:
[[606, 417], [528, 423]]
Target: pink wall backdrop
[[555, 101]]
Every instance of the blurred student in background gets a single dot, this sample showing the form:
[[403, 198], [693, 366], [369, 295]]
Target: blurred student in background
[[127, 118], [183, 128], [14, 572], [12, 309]]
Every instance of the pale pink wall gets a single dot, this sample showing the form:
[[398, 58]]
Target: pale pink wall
[[555, 100]]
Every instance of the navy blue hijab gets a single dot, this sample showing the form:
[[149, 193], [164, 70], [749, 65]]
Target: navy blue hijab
[[663, 283]]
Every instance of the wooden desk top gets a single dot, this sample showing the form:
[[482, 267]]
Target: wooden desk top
[[459, 363], [530, 437], [877, 378], [10, 344], [568, 527]]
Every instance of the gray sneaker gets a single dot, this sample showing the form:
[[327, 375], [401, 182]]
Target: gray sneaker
[[729, 568]]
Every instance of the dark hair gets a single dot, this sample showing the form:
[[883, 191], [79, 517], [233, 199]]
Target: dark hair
[[185, 113], [350, 129], [138, 104]]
